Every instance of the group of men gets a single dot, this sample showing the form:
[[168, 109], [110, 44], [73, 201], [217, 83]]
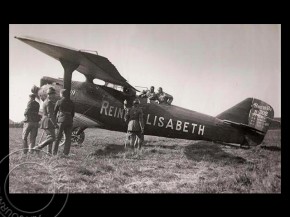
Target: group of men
[[60, 116], [160, 97], [57, 115]]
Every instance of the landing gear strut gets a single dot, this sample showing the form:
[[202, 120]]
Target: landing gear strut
[[248, 142], [77, 137]]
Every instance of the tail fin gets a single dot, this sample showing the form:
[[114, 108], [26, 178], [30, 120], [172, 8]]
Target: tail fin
[[252, 115]]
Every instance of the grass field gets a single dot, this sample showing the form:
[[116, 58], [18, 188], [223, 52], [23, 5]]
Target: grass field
[[101, 165]]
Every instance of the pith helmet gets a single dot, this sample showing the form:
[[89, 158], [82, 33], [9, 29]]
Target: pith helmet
[[34, 89], [136, 101], [50, 90]]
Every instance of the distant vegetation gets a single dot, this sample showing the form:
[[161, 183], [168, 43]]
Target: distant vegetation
[[276, 125], [13, 124]]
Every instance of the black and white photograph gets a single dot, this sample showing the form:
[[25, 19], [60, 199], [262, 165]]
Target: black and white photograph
[[144, 108]]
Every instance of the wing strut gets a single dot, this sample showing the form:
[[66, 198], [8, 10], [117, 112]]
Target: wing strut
[[68, 67]]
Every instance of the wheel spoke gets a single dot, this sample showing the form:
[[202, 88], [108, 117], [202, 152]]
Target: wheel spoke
[[75, 138]]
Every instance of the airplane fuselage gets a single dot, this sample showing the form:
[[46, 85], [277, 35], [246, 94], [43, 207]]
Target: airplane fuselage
[[105, 105]]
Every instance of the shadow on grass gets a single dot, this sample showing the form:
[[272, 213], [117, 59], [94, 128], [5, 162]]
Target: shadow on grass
[[110, 149], [271, 148], [149, 146], [235, 146], [211, 152]]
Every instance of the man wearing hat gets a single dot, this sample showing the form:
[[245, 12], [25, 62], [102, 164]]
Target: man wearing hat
[[134, 118], [164, 98], [30, 123], [48, 122], [65, 111]]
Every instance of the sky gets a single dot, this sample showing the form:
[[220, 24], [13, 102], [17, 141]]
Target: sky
[[206, 68]]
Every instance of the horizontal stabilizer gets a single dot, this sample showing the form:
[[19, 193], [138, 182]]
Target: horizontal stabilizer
[[243, 126]]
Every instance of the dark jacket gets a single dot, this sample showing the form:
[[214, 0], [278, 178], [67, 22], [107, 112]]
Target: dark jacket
[[48, 119], [164, 98], [31, 112], [134, 117], [64, 110], [148, 94]]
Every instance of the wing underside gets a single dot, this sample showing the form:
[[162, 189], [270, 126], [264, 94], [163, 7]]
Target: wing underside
[[89, 64], [81, 120]]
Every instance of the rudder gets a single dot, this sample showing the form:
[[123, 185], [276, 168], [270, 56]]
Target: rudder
[[251, 115], [260, 115]]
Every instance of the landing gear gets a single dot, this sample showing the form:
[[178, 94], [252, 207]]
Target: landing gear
[[245, 144], [77, 137], [248, 142]]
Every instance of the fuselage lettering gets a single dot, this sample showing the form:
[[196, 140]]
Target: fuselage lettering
[[185, 127], [110, 110], [104, 107], [193, 127], [147, 120], [178, 125], [157, 121], [154, 120], [120, 113], [169, 124], [201, 129], [161, 124], [72, 92]]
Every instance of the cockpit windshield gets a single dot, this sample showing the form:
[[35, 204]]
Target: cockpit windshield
[[124, 90], [114, 86]]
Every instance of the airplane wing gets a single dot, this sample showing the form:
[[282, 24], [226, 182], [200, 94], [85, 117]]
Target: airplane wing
[[89, 64]]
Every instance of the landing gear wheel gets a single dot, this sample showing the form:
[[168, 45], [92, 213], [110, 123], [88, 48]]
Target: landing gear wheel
[[76, 138]]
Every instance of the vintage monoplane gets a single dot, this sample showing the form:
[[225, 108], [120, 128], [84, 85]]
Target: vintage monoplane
[[102, 106]]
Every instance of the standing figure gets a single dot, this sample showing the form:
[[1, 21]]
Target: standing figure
[[48, 122], [65, 111], [134, 118], [30, 123]]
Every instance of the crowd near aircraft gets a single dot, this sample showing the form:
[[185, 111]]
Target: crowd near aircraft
[[102, 106]]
